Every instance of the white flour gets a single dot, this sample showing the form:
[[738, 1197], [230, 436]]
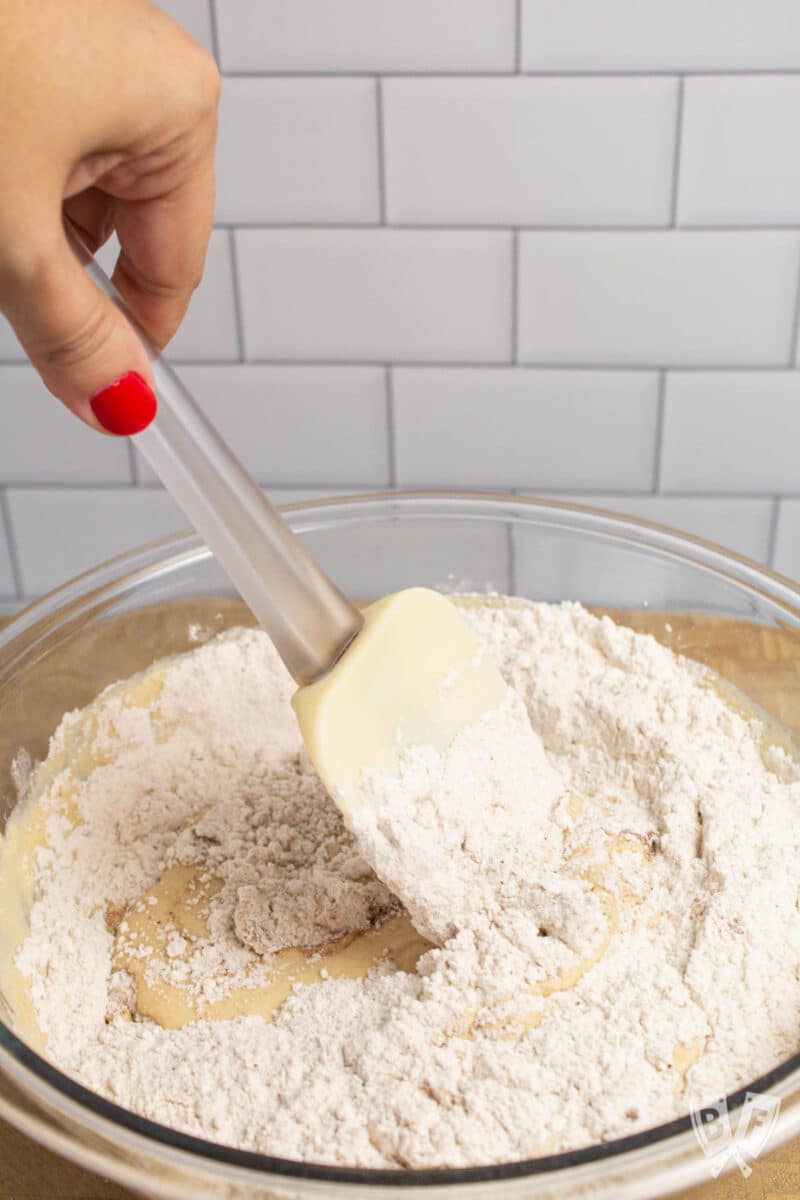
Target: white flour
[[618, 906], [468, 840]]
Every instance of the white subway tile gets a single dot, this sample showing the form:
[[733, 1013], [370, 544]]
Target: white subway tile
[[59, 533], [298, 150], [367, 35], [376, 294], [194, 16], [787, 545], [208, 330], [681, 35], [41, 442], [10, 349], [530, 151], [7, 585], [648, 299], [298, 424], [729, 431], [607, 573], [739, 159], [523, 428]]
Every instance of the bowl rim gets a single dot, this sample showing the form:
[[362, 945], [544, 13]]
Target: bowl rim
[[676, 543], [100, 584]]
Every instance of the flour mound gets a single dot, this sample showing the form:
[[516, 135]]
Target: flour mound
[[615, 905], [460, 836]]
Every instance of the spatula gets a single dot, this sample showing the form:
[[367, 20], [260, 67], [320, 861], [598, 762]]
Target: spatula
[[407, 670]]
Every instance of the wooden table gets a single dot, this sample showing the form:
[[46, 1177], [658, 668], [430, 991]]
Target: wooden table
[[739, 650]]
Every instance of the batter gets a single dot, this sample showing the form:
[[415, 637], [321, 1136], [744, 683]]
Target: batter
[[552, 952]]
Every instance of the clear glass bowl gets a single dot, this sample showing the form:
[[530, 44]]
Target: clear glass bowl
[[742, 620]]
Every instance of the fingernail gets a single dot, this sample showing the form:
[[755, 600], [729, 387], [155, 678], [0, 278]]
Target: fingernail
[[126, 406]]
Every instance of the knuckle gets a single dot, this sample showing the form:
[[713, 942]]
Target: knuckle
[[24, 260], [199, 73], [207, 82], [163, 288], [81, 344]]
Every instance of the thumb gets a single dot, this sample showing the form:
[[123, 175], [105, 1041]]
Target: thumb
[[86, 352]]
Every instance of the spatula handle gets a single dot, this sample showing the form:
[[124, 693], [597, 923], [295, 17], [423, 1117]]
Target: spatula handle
[[307, 617]]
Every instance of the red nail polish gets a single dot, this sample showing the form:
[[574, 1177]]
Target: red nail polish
[[126, 406]]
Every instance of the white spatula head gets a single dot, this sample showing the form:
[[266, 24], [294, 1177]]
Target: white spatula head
[[415, 675]]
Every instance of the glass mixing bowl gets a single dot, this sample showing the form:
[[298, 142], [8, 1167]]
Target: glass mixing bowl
[[738, 618]]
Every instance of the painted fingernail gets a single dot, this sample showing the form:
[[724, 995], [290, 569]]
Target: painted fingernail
[[126, 406]]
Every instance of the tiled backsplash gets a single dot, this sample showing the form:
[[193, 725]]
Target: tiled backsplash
[[550, 245]]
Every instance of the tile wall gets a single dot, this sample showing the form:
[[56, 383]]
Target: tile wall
[[550, 245]]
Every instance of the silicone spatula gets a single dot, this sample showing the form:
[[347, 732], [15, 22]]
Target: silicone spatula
[[407, 670]]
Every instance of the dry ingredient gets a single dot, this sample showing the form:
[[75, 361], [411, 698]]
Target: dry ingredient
[[615, 906]]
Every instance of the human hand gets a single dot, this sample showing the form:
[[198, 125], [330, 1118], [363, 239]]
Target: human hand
[[108, 119]]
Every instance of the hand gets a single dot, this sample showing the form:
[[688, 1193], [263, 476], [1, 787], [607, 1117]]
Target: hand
[[107, 118]]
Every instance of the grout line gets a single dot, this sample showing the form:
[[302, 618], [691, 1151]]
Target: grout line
[[234, 363], [561, 490], [676, 153], [772, 539], [529, 365], [456, 226], [238, 311], [675, 69], [381, 146], [154, 486], [795, 332], [461, 364], [493, 364], [467, 485], [659, 431], [638, 494], [365, 73], [391, 427], [736, 227], [83, 486], [515, 297], [212, 13], [206, 362], [133, 463], [518, 37], [11, 541], [437, 227], [506, 73], [511, 552]]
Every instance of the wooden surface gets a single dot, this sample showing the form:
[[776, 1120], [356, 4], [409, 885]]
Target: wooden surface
[[765, 664]]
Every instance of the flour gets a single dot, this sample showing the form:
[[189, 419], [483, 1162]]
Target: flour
[[467, 839], [615, 908]]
